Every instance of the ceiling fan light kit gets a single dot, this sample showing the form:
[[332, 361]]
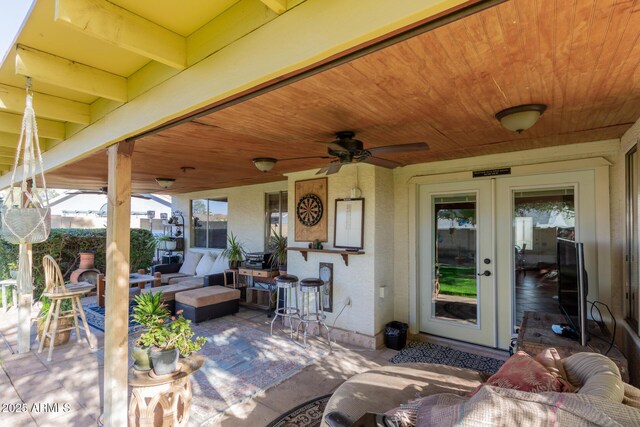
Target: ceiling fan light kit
[[521, 117], [264, 164], [165, 182]]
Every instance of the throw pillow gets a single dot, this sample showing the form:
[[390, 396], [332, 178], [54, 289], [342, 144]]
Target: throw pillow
[[221, 264], [522, 372], [205, 264], [191, 260], [550, 359]]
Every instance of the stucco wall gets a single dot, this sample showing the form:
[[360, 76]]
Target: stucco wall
[[356, 280], [384, 245]]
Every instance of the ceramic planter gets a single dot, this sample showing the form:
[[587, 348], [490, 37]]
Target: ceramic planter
[[164, 361], [141, 359]]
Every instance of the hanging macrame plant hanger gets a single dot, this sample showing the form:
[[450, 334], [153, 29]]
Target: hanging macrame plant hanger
[[26, 217]]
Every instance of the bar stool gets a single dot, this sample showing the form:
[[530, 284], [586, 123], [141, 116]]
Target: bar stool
[[57, 292], [309, 287], [286, 283]]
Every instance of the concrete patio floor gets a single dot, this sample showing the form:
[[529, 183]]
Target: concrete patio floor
[[72, 382]]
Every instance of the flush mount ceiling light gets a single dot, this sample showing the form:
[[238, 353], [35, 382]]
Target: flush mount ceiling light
[[165, 182], [522, 117], [264, 164]]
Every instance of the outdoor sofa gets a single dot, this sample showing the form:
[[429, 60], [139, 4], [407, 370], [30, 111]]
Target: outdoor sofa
[[425, 394], [196, 265]]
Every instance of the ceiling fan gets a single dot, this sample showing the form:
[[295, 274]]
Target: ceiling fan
[[103, 191], [346, 149]]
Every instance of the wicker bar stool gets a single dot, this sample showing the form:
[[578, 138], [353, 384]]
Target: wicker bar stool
[[312, 313], [287, 284], [57, 292]]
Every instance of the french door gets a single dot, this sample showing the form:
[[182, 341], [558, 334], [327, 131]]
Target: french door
[[457, 271], [478, 241]]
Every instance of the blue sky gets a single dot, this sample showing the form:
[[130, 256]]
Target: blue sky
[[12, 13]]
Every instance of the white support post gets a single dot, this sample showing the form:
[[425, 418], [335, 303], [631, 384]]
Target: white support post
[[25, 301], [117, 285]]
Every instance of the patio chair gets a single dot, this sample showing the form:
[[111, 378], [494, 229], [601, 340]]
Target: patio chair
[[57, 292]]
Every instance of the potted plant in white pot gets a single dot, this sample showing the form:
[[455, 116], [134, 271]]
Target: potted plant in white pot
[[234, 251], [278, 246], [166, 243], [146, 312]]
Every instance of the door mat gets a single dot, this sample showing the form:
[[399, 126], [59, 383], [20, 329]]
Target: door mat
[[308, 414], [422, 352]]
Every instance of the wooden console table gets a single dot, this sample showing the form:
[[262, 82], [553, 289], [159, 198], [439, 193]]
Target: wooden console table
[[163, 401], [257, 296], [536, 334]]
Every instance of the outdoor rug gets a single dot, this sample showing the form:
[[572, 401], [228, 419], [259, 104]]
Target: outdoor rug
[[432, 353], [95, 316], [308, 414], [241, 362]]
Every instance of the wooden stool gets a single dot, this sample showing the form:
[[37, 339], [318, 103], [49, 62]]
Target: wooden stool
[[57, 292]]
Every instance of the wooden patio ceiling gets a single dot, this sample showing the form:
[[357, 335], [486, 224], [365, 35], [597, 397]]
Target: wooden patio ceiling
[[580, 58]]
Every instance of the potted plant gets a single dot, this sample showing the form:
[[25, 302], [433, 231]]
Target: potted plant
[[63, 322], [278, 246], [148, 309], [167, 243], [234, 251], [167, 341]]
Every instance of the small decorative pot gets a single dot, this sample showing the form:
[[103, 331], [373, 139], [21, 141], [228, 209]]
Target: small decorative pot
[[164, 361], [141, 358]]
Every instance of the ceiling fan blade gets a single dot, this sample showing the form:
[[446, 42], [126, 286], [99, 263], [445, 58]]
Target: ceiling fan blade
[[415, 146], [389, 164], [322, 170], [333, 168], [140, 196], [335, 147]]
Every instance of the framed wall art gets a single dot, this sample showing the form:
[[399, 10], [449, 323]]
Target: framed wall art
[[349, 224], [311, 210]]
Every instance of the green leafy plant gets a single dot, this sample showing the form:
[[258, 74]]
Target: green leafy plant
[[178, 334], [149, 308], [278, 246], [234, 251]]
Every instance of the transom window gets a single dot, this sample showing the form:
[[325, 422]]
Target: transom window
[[209, 223]]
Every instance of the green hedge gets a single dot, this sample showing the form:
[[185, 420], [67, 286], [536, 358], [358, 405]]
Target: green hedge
[[64, 245]]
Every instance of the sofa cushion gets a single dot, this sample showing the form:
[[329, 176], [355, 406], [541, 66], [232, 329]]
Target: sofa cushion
[[381, 389], [205, 264], [170, 291], [210, 295], [595, 374], [522, 372], [191, 260], [221, 264], [191, 279], [170, 278]]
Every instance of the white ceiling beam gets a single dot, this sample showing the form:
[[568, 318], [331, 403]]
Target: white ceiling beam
[[12, 123], [278, 6], [62, 72], [12, 100], [113, 24]]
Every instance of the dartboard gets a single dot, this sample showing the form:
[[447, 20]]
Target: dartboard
[[309, 210]]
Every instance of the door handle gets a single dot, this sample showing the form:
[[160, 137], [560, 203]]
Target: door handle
[[485, 273]]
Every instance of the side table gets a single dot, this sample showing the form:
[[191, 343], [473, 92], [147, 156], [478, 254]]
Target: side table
[[165, 400], [536, 334], [13, 284]]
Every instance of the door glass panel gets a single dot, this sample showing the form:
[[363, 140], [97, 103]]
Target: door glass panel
[[455, 288], [539, 217]]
